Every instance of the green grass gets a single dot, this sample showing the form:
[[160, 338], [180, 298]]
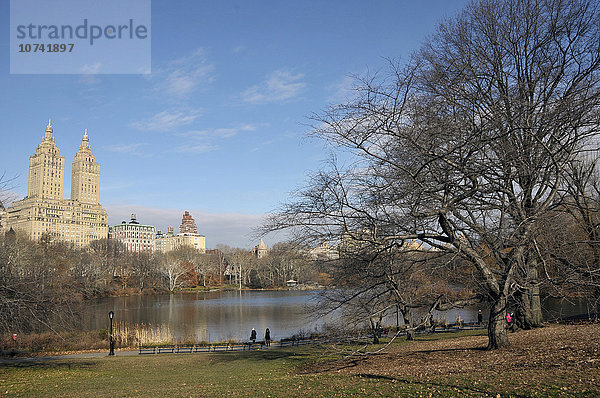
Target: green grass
[[262, 373], [275, 373]]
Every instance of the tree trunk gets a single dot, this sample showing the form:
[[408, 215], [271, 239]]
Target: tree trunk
[[534, 299], [529, 307], [410, 331], [497, 334], [374, 330]]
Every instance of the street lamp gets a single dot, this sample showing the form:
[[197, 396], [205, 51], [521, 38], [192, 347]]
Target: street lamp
[[112, 341]]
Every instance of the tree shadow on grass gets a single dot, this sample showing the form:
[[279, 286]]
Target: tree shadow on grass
[[338, 364], [434, 384], [261, 355], [46, 363], [449, 350]]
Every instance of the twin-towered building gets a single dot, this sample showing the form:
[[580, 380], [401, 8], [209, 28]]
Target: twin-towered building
[[78, 220], [81, 219]]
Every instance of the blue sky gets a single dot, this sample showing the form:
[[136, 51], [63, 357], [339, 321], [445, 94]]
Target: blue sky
[[218, 127]]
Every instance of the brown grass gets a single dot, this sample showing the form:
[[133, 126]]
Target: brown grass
[[564, 356]]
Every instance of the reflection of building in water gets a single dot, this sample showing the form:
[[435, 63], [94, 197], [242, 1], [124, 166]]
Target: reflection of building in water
[[135, 237], [78, 220], [261, 250], [167, 242]]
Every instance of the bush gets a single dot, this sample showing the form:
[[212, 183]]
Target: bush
[[103, 334]]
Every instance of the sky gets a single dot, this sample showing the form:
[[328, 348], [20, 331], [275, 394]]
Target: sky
[[218, 127]]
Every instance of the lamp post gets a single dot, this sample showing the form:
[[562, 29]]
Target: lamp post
[[112, 342]]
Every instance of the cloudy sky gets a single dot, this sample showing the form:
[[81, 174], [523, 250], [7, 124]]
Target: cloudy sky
[[218, 126]]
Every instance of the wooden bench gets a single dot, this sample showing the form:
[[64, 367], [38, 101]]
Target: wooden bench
[[202, 348], [168, 349], [185, 348], [257, 345], [145, 349]]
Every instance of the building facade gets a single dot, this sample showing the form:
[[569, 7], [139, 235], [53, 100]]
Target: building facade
[[135, 237], [165, 243], [324, 252], [261, 250], [188, 225], [78, 220]]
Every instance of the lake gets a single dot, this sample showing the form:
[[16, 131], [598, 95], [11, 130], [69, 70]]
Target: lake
[[230, 315], [212, 316]]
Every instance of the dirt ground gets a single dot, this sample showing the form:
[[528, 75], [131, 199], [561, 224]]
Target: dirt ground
[[554, 358]]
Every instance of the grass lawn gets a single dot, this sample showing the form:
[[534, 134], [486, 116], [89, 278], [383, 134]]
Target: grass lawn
[[439, 365]]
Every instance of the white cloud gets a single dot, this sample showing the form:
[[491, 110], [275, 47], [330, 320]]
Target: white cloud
[[280, 85], [343, 90], [91, 69], [125, 148], [204, 140], [167, 120], [233, 229], [197, 148], [183, 76], [89, 74]]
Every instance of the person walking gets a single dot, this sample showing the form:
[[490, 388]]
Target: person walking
[[479, 317], [253, 336], [268, 337]]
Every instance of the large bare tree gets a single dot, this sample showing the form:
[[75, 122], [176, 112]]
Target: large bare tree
[[466, 145]]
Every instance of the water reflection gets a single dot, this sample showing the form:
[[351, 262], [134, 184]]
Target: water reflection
[[212, 316], [219, 316]]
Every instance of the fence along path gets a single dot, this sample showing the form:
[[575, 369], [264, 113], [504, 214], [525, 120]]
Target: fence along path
[[188, 348], [260, 345]]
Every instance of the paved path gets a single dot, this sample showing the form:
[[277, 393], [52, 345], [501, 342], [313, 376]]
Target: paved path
[[131, 353], [83, 355]]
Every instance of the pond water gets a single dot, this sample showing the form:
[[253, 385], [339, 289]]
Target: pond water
[[212, 316], [226, 315]]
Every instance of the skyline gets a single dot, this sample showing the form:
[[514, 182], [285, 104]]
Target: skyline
[[218, 127]]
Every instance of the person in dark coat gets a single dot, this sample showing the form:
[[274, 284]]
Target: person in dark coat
[[267, 337], [253, 336], [479, 317]]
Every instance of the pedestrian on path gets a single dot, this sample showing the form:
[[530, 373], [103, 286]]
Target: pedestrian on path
[[253, 336], [268, 337]]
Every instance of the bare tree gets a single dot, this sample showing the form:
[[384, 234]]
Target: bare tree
[[465, 146], [240, 263], [569, 238], [177, 267], [144, 269], [36, 290]]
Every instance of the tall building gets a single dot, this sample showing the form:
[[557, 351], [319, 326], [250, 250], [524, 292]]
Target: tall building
[[135, 237], [85, 176], [167, 242], [188, 225], [261, 250], [78, 220]]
